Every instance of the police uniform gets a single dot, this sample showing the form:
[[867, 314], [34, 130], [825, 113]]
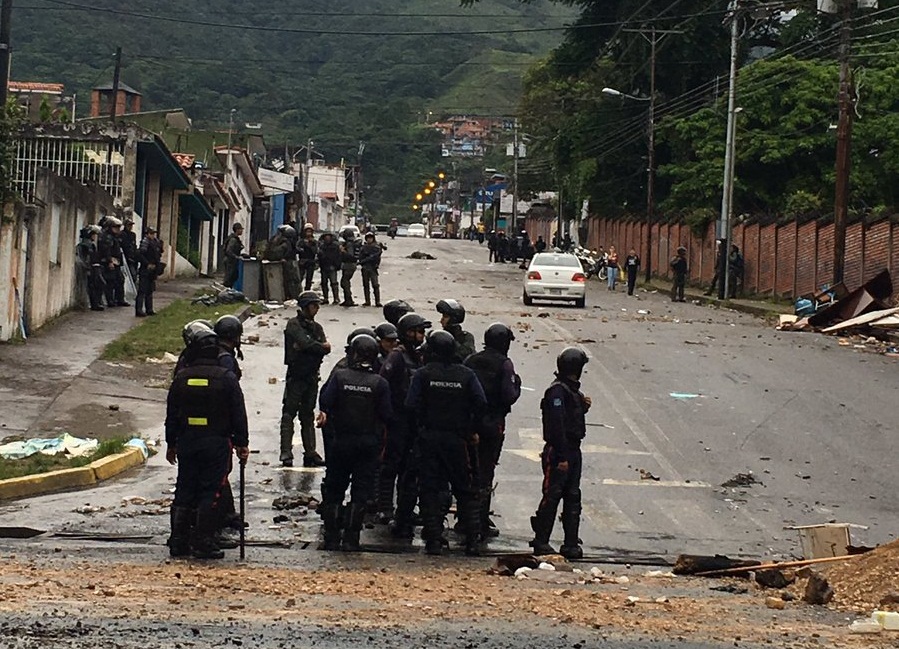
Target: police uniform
[[397, 469], [370, 261], [307, 252], [563, 411], [356, 402], [502, 387], [348, 261], [447, 399], [205, 417], [465, 345], [329, 263], [304, 351], [89, 256], [150, 256], [233, 249], [111, 258]]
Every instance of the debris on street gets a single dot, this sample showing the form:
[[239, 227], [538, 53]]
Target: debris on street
[[421, 255], [283, 503], [868, 582], [694, 564], [66, 443], [741, 480]]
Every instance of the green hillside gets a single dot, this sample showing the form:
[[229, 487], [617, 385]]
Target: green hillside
[[489, 83], [336, 71]]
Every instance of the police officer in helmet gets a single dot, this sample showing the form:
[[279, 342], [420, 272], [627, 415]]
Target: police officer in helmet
[[398, 469], [205, 419], [305, 347], [452, 315], [448, 401], [502, 387], [396, 309], [355, 404], [564, 426], [388, 339]]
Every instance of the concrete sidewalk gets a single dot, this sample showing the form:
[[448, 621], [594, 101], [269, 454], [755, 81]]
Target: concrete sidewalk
[[757, 307], [36, 377]]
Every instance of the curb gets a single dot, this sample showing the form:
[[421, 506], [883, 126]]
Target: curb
[[69, 479], [761, 310]]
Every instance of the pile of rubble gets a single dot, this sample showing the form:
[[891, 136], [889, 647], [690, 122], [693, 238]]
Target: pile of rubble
[[862, 318]]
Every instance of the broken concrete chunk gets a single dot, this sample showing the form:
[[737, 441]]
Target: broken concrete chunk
[[817, 590]]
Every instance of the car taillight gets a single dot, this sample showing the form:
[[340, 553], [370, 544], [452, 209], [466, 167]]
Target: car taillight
[[579, 277], [534, 275]]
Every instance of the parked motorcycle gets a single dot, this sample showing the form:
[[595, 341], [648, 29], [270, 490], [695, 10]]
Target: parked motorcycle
[[591, 265]]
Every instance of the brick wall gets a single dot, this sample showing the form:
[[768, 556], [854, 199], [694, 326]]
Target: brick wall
[[785, 259]]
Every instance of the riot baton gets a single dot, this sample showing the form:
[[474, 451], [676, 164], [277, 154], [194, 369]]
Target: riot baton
[[243, 529]]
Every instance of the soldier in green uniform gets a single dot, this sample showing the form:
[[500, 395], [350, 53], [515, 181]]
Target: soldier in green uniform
[[305, 347]]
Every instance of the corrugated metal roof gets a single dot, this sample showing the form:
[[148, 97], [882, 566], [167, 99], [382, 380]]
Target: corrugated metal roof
[[36, 86]]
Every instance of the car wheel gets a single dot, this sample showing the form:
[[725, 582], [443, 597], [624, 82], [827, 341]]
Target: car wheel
[[526, 298], [581, 303]]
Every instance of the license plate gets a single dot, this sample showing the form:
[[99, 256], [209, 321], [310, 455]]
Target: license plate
[[555, 291]]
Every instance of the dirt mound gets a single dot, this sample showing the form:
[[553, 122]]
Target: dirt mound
[[862, 583]]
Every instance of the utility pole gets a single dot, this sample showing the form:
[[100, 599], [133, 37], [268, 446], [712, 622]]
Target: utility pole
[[844, 144], [727, 195], [5, 48], [116, 78], [309, 144], [515, 180], [653, 36]]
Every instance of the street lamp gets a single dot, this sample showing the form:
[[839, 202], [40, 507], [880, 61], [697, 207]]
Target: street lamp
[[650, 166]]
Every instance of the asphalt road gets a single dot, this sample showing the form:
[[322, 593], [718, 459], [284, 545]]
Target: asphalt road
[[816, 424]]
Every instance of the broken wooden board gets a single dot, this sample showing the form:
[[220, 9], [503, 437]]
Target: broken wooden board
[[871, 318]]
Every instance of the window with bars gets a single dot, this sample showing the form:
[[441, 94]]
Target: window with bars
[[85, 160]]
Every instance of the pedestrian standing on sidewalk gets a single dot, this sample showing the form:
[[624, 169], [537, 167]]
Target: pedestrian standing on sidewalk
[[305, 347], [491, 246], [612, 269], [632, 267], [205, 418], [720, 261], [563, 409], [679, 266], [735, 270], [233, 250], [370, 261], [149, 256], [355, 404]]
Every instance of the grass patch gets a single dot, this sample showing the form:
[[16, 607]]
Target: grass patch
[[40, 463], [162, 332]]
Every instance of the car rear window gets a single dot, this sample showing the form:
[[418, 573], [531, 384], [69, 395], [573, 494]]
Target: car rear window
[[563, 261]]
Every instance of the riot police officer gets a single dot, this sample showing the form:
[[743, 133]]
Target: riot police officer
[[89, 256], [452, 315], [355, 403], [205, 416], [233, 251], [447, 400], [150, 257], [305, 347], [349, 257], [563, 411], [282, 247], [329, 263], [307, 253], [111, 257], [388, 338], [370, 261], [396, 309], [398, 470], [502, 386]]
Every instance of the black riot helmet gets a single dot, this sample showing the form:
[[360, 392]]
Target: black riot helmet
[[229, 327], [498, 337], [198, 333], [308, 297], [440, 345], [363, 351], [571, 362], [287, 231], [452, 310], [360, 331], [411, 322], [386, 331], [396, 309]]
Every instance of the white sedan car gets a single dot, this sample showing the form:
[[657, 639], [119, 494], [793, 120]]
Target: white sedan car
[[417, 230], [555, 276]]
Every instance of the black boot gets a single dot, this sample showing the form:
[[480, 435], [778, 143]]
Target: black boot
[[384, 501], [330, 514], [204, 545], [354, 516], [571, 523], [488, 528], [377, 292], [182, 521], [432, 524], [542, 524], [470, 517]]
